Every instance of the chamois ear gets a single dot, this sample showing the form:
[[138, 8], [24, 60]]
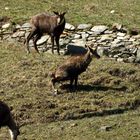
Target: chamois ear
[[64, 13], [56, 13]]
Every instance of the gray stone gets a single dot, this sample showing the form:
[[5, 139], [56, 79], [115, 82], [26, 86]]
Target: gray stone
[[120, 59], [108, 32], [106, 128], [116, 26], [103, 51], [69, 27], [18, 26], [26, 25], [84, 26], [85, 36], [79, 42], [18, 34], [99, 29], [6, 26], [42, 40], [76, 36], [120, 37], [138, 54], [121, 34], [131, 59]]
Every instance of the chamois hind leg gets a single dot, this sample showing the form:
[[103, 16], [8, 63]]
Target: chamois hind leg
[[57, 43], [52, 41], [29, 37], [38, 36]]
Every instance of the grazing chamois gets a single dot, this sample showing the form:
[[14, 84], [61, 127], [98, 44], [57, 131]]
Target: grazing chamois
[[6, 119], [42, 23], [73, 67]]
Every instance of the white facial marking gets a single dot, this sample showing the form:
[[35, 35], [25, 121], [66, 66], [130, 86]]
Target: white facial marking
[[58, 21]]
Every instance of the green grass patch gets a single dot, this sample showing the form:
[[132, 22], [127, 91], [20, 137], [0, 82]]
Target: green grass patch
[[78, 11]]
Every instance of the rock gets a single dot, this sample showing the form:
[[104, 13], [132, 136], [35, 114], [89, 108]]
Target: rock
[[112, 11], [105, 38], [99, 29], [79, 42], [131, 59], [18, 34], [84, 26], [106, 128], [120, 60], [103, 51], [69, 27], [76, 36], [121, 34], [26, 25], [17, 26], [116, 26], [42, 40], [85, 35], [138, 54], [6, 26]]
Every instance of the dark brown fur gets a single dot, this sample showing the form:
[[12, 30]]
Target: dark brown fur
[[7, 120], [50, 24], [73, 67]]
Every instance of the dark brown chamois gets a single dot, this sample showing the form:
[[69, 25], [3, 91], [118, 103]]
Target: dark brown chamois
[[73, 67], [42, 23], [6, 119]]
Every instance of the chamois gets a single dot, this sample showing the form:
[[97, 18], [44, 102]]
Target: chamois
[[72, 68], [6, 119], [42, 23]]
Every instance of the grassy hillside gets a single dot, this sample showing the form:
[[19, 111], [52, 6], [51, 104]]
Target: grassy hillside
[[105, 90], [78, 11]]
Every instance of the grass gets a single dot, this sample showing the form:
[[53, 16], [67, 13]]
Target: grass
[[78, 11], [108, 94]]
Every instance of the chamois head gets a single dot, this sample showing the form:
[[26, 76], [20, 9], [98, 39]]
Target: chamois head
[[93, 52], [61, 17]]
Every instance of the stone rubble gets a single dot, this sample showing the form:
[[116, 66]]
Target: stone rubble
[[114, 42]]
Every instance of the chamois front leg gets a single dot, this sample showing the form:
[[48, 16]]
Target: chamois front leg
[[76, 81], [55, 91], [57, 43], [52, 40]]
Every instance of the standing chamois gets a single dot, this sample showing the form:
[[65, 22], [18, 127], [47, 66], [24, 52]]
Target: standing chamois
[[42, 23], [73, 67], [6, 119]]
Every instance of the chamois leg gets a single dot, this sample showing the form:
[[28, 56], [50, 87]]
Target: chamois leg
[[38, 36], [76, 81], [71, 82], [13, 129], [57, 43], [52, 40], [53, 81], [30, 36]]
